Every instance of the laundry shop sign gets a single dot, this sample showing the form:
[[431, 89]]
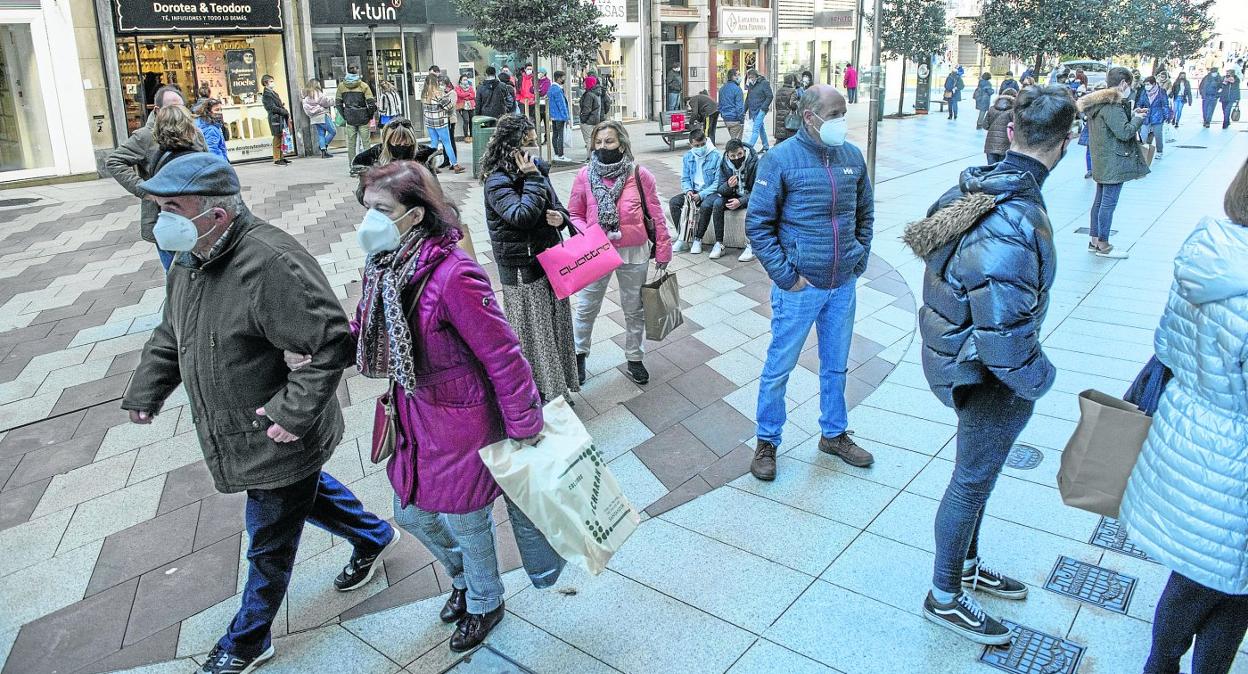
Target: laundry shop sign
[[218, 16]]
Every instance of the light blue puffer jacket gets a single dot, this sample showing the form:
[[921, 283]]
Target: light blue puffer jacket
[[1187, 500]]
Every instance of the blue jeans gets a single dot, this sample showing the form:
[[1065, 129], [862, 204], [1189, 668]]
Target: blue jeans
[[673, 100], [1087, 157], [1227, 106], [464, 544], [1188, 609], [990, 419], [166, 257], [792, 313], [1178, 110], [758, 127], [953, 107], [275, 520], [325, 133], [1207, 106], [442, 136], [1103, 210]]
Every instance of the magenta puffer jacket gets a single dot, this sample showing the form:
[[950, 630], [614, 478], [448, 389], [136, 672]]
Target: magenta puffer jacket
[[475, 387]]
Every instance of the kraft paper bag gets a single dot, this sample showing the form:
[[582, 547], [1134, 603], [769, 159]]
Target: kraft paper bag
[[563, 486], [1102, 452], [661, 302], [582, 259]]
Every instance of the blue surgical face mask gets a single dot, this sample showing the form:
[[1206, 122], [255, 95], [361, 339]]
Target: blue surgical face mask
[[378, 233], [177, 233], [700, 151], [833, 131]]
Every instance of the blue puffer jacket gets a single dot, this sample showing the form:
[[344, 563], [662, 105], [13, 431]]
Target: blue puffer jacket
[[758, 100], [1158, 109], [731, 102], [990, 260], [1186, 503], [812, 213], [709, 166]]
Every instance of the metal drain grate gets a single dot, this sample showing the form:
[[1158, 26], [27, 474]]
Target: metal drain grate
[[18, 201], [486, 660], [1194, 147], [1109, 534], [1091, 584], [1024, 457], [1033, 652]]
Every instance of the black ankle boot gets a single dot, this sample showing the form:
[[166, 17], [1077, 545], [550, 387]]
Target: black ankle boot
[[580, 367], [473, 629], [456, 606]]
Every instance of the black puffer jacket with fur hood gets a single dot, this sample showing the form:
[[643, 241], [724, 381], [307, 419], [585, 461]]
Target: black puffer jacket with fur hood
[[999, 116], [990, 260]]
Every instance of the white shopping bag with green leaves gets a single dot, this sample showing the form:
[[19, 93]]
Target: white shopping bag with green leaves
[[563, 485]]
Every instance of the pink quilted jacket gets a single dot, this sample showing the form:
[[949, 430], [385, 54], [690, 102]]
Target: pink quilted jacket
[[584, 211]]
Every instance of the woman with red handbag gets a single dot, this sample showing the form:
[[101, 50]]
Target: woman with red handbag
[[623, 199], [428, 321]]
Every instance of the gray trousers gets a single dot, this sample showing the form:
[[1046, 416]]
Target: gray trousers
[[357, 141], [587, 132], [589, 301], [734, 129]]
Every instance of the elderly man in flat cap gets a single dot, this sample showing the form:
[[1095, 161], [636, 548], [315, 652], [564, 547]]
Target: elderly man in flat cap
[[240, 293]]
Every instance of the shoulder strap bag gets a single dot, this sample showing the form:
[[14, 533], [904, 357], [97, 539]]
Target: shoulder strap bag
[[385, 418], [645, 213]]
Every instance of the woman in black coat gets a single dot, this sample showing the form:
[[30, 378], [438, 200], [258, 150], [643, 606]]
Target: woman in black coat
[[525, 216], [279, 118]]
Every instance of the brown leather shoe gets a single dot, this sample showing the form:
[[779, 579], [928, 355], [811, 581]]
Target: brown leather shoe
[[763, 466], [845, 448]]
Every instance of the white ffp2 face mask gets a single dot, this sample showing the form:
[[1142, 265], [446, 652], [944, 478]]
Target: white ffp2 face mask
[[378, 233], [177, 233], [833, 131]]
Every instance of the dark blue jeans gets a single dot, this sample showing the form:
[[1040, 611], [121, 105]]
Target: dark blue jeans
[[1227, 106], [275, 520], [1103, 210], [1207, 106], [990, 419], [1188, 609]]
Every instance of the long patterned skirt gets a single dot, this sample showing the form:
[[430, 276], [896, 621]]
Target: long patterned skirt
[[544, 325]]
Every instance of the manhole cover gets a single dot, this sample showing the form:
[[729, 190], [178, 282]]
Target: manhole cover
[[1033, 652], [1109, 534], [18, 201], [1085, 231], [1195, 147], [1024, 457], [1092, 584], [486, 660]]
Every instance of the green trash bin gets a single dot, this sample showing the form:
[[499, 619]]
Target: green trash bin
[[482, 131]]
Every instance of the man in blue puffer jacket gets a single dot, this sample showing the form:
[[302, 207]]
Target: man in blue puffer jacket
[[732, 105], [810, 223], [990, 260]]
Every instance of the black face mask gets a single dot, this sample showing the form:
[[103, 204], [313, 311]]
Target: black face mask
[[402, 151], [609, 156], [738, 162], [218, 119]]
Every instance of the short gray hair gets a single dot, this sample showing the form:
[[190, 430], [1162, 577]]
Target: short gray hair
[[230, 203]]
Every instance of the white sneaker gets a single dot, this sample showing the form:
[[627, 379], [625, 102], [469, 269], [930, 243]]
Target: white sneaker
[[678, 246], [696, 249], [747, 254], [1159, 156], [1112, 253], [717, 251]]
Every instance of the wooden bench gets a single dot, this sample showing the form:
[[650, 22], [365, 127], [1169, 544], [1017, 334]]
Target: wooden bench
[[665, 130]]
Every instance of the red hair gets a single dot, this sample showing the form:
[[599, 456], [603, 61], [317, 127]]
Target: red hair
[[411, 184]]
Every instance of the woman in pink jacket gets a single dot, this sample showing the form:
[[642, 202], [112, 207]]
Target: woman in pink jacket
[[429, 322], [611, 193]]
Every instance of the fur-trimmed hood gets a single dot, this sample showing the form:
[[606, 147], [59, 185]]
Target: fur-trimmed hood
[[1004, 102], [1096, 99], [982, 189]]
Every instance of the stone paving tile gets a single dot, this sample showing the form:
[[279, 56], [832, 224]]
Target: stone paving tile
[[765, 657], [674, 456], [133, 551], [112, 512], [827, 493], [158, 648], [37, 539], [660, 407], [720, 427], [55, 460], [18, 503], [81, 632], [640, 485], [38, 590], [182, 588]]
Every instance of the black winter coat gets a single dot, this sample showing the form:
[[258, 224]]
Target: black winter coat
[[999, 116], [745, 184], [515, 214], [990, 260], [278, 114], [495, 99]]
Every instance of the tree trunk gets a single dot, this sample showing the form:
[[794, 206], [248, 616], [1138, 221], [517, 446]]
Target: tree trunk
[[1039, 65], [902, 101]]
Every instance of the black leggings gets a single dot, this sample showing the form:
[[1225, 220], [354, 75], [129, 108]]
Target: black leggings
[[1188, 609]]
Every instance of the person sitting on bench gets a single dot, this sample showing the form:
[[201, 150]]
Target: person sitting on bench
[[699, 175], [736, 180]]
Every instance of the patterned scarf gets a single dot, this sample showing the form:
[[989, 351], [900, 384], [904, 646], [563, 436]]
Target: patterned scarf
[[608, 214], [384, 348]]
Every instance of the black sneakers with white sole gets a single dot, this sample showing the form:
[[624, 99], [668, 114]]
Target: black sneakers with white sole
[[221, 661], [986, 579], [361, 568], [965, 616]]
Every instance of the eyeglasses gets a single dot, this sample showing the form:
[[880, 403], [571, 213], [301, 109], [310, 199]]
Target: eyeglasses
[[396, 123]]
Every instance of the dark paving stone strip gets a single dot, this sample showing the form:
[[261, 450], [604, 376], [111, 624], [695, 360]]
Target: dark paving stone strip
[[74, 636]]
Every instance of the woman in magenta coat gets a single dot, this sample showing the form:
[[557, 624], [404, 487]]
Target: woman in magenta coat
[[428, 320]]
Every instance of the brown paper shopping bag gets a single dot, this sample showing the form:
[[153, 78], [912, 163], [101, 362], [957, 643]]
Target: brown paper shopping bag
[[660, 300], [1101, 453]]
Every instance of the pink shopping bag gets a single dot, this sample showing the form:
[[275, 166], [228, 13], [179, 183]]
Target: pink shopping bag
[[583, 258]]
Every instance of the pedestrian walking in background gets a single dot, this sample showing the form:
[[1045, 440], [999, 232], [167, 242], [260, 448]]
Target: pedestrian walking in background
[[786, 110], [279, 118], [953, 91], [242, 293], [138, 159], [591, 113], [851, 83], [674, 86], [1181, 95], [991, 262], [439, 103], [524, 217], [209, 122], [618, 195], [356, 104], [757, 102], [398, 143], [699, 184], [557, 104], [998, 121], [494, 98], [1116, 157], [737, 171], [1157, 102], [1009, 83], [732, 105], [1229, 95], [429, 322], [813, 196], [465, 103], [389, 104], [983, 99], [704, 112], [1202, 420], [1210, 93], [320, 111]]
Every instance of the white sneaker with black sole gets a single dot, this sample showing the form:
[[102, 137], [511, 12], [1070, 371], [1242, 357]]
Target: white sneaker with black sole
[[965, 616], [987, 579], [221, 661]]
